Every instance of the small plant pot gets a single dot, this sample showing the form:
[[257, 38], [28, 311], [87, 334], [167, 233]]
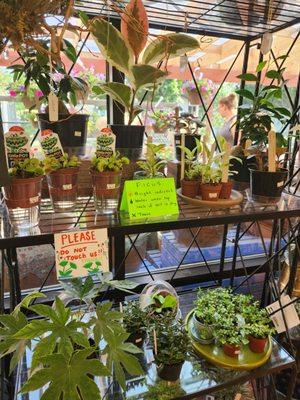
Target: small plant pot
[[210, 192], [106, 187], [231, 351], [226, 190], [137, 338], [63, 188], [190, 188], [22, 198], [204, 332], [257, 345], [170, 372], [265, 186]]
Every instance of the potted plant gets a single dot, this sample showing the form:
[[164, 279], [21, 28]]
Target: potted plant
[[211, 185], [258, 327], [122, 50], [106, 177], [171, 348], [35, 70], [206, 88], [23, 194], [256, 118], [161, 121], [63, 360], [230, 333], [153, 166], [134, 322], [191, 183], [62, 177]]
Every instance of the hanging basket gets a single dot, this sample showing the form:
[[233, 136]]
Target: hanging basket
[[194, 98]]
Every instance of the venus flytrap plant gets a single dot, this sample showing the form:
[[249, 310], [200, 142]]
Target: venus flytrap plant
[[113, 163], [66, 161]]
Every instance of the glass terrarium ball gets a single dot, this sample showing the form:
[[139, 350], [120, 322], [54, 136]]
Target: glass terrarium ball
[[154, 288]]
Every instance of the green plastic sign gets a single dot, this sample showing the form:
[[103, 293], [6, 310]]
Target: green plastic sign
[[146, 198]]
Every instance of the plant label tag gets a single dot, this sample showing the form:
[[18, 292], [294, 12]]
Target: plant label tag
[[212, 195], [279, 184], [50, 144], [81, 253], [34, 200], [272, 151], [17, 145], [67, 187], [106, 143], [53, 107], [111, 186], [290, 313], [77, 133], [148, 198]]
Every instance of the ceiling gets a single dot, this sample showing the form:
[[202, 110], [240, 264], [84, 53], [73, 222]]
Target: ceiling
[[237, 19]]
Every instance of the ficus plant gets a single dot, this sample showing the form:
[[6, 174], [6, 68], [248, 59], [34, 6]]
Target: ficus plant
[[192, 165], [261, 110], [153, 163], [123, 51]]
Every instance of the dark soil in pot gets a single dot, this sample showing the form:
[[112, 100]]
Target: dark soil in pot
[[129, 140], [170, 372], [267, 186], [190, 188], [23, 193], [71, 129], [226, 190], [257, 345], [210, 192], [190, 143]]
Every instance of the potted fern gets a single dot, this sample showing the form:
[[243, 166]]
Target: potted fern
[[106, 178], [62, 177], [23, 194], [256, 119], [123, 51]]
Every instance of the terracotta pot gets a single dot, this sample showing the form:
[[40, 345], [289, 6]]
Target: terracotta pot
[[210, 192], [231, 350], [63, 181], [190, 188], [23, 193], [170, 372], [257, 345], [226, 190], [106, 184]]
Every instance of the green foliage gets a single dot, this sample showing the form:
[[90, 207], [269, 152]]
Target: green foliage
[[113, 163], [54, 164], [28, 168], [261, 110], [134, 318], [117, 51], [210, 174], [153, 163], [173, 343], [258, 322], [231, 331], [192, 167], [159, 303], [68, 375]]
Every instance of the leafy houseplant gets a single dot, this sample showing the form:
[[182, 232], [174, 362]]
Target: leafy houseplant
[[161, 120], [62, 176], [153, 166], [134, 321], [211, 175], [63, 357], [190, 183], [24, 192], [122, 50], [106, 177], [171, 350], [256, 119]]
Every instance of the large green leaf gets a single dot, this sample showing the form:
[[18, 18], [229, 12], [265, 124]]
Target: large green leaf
[[248, 77], [119, 92], [169, 46], [146, 75], [68, 377], [106, 322], [245, 93], [112, 45], [9, 325], [79, 289], [119, 357]]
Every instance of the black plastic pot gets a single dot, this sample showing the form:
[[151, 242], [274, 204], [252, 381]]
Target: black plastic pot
[[242, 169], [190, 143], [170, 372], [129, 139], [137, 338], [71, 129], [267, 186]]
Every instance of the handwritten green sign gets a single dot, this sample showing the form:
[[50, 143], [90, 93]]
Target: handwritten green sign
[[149, 198]]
